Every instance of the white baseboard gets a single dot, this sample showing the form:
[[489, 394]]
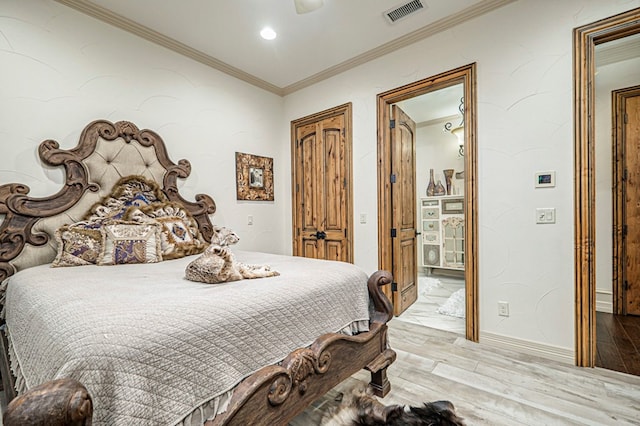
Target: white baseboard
[[555, 353], [604, 301], [602, 306]]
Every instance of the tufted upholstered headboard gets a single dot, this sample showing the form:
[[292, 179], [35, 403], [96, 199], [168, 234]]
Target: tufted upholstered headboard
[[105, 152]]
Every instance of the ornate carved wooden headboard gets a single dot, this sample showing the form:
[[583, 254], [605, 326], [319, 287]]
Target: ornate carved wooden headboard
[[105, 152]]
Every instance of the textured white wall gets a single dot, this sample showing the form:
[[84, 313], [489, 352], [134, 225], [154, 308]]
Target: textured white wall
[[524, 60], [608, 78], [62, 69]]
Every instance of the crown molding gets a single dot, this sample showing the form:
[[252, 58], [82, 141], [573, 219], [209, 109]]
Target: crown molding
[[436, 27], [153, 36]]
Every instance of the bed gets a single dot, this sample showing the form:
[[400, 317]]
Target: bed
[[149, 346]]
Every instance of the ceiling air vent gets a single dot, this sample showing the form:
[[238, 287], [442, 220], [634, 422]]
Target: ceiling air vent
[[404, 10]]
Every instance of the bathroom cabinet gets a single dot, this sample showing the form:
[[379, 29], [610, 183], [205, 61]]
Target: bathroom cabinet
[[442, 224]]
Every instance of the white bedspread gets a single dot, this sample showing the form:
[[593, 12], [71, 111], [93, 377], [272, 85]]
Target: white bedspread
[[153, 347]]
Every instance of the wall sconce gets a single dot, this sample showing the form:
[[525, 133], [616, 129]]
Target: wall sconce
[[457, 131]]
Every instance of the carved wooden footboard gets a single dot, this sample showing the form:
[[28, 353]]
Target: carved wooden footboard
[[277, 393], [271, 396]]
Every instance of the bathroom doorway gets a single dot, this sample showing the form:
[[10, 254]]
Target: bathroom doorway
[[455, 259], [439, 157]]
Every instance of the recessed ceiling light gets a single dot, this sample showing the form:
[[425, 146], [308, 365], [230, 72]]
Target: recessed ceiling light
[[268, 33]]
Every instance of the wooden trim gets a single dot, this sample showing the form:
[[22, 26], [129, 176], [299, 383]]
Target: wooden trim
[[346, 110], [467, 76], [585, 39]]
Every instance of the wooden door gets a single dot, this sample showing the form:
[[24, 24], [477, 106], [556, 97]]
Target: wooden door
[[631, 207], [403, 198], [321, 186]]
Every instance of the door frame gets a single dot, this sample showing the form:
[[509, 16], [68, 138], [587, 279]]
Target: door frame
[[346, 110], [618, 99], [585, 38], [467, 76]]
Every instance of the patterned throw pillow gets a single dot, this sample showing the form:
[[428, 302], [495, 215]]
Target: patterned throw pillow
[[128, 191], [78, 245], [128, 242], [180, 234]]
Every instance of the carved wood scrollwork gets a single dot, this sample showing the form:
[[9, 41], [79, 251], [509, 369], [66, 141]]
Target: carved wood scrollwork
[[22, 212], [299, 365]]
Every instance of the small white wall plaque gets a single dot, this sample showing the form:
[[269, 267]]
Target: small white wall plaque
[[545, 179]]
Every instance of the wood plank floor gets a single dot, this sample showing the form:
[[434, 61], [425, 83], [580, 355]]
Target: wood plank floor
[[618, 342], [492, 386]]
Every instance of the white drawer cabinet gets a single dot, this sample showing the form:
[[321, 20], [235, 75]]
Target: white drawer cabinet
[[442, 220]]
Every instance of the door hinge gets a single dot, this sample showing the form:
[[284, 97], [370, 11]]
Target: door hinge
[[393, 232], [626, 118], [625, 229], [625, 174], [392, 124], [298, 232], [626, 285], [345, 232], [393, 178], [344, 182], [394, 286], [297, 187]]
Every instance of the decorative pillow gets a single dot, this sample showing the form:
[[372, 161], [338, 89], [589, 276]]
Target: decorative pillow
[[128, 191], [78, 245], [180, 235], [129, 242]]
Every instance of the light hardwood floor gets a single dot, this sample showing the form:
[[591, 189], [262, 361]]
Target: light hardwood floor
[[491, 386], [434, 292]]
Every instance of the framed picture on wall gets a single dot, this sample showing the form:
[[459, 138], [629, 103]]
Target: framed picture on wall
[[254, 177]]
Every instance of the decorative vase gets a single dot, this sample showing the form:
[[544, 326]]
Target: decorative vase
[[439, 189], [432, 186], [448, 174]]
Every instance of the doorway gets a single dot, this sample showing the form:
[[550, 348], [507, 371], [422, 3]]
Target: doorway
[[439, 175], [586, 38], [388, 258]]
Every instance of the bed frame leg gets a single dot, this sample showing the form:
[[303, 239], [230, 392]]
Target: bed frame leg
[[378, 368], [379, 383]]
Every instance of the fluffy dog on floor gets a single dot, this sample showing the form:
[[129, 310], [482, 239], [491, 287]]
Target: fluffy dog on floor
[[361, 408]]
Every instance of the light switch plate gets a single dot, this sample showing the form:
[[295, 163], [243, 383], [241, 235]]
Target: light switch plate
[[546, 215]]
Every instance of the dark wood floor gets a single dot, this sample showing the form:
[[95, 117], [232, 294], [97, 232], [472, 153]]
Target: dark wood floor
[[618, 342]]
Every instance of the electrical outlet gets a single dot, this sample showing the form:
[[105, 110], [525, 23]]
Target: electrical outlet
[[503, 309]]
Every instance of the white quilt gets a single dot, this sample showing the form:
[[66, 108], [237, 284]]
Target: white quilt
[[153, 348]]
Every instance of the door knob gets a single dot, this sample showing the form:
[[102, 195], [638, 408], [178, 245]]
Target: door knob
[[321, 235]]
